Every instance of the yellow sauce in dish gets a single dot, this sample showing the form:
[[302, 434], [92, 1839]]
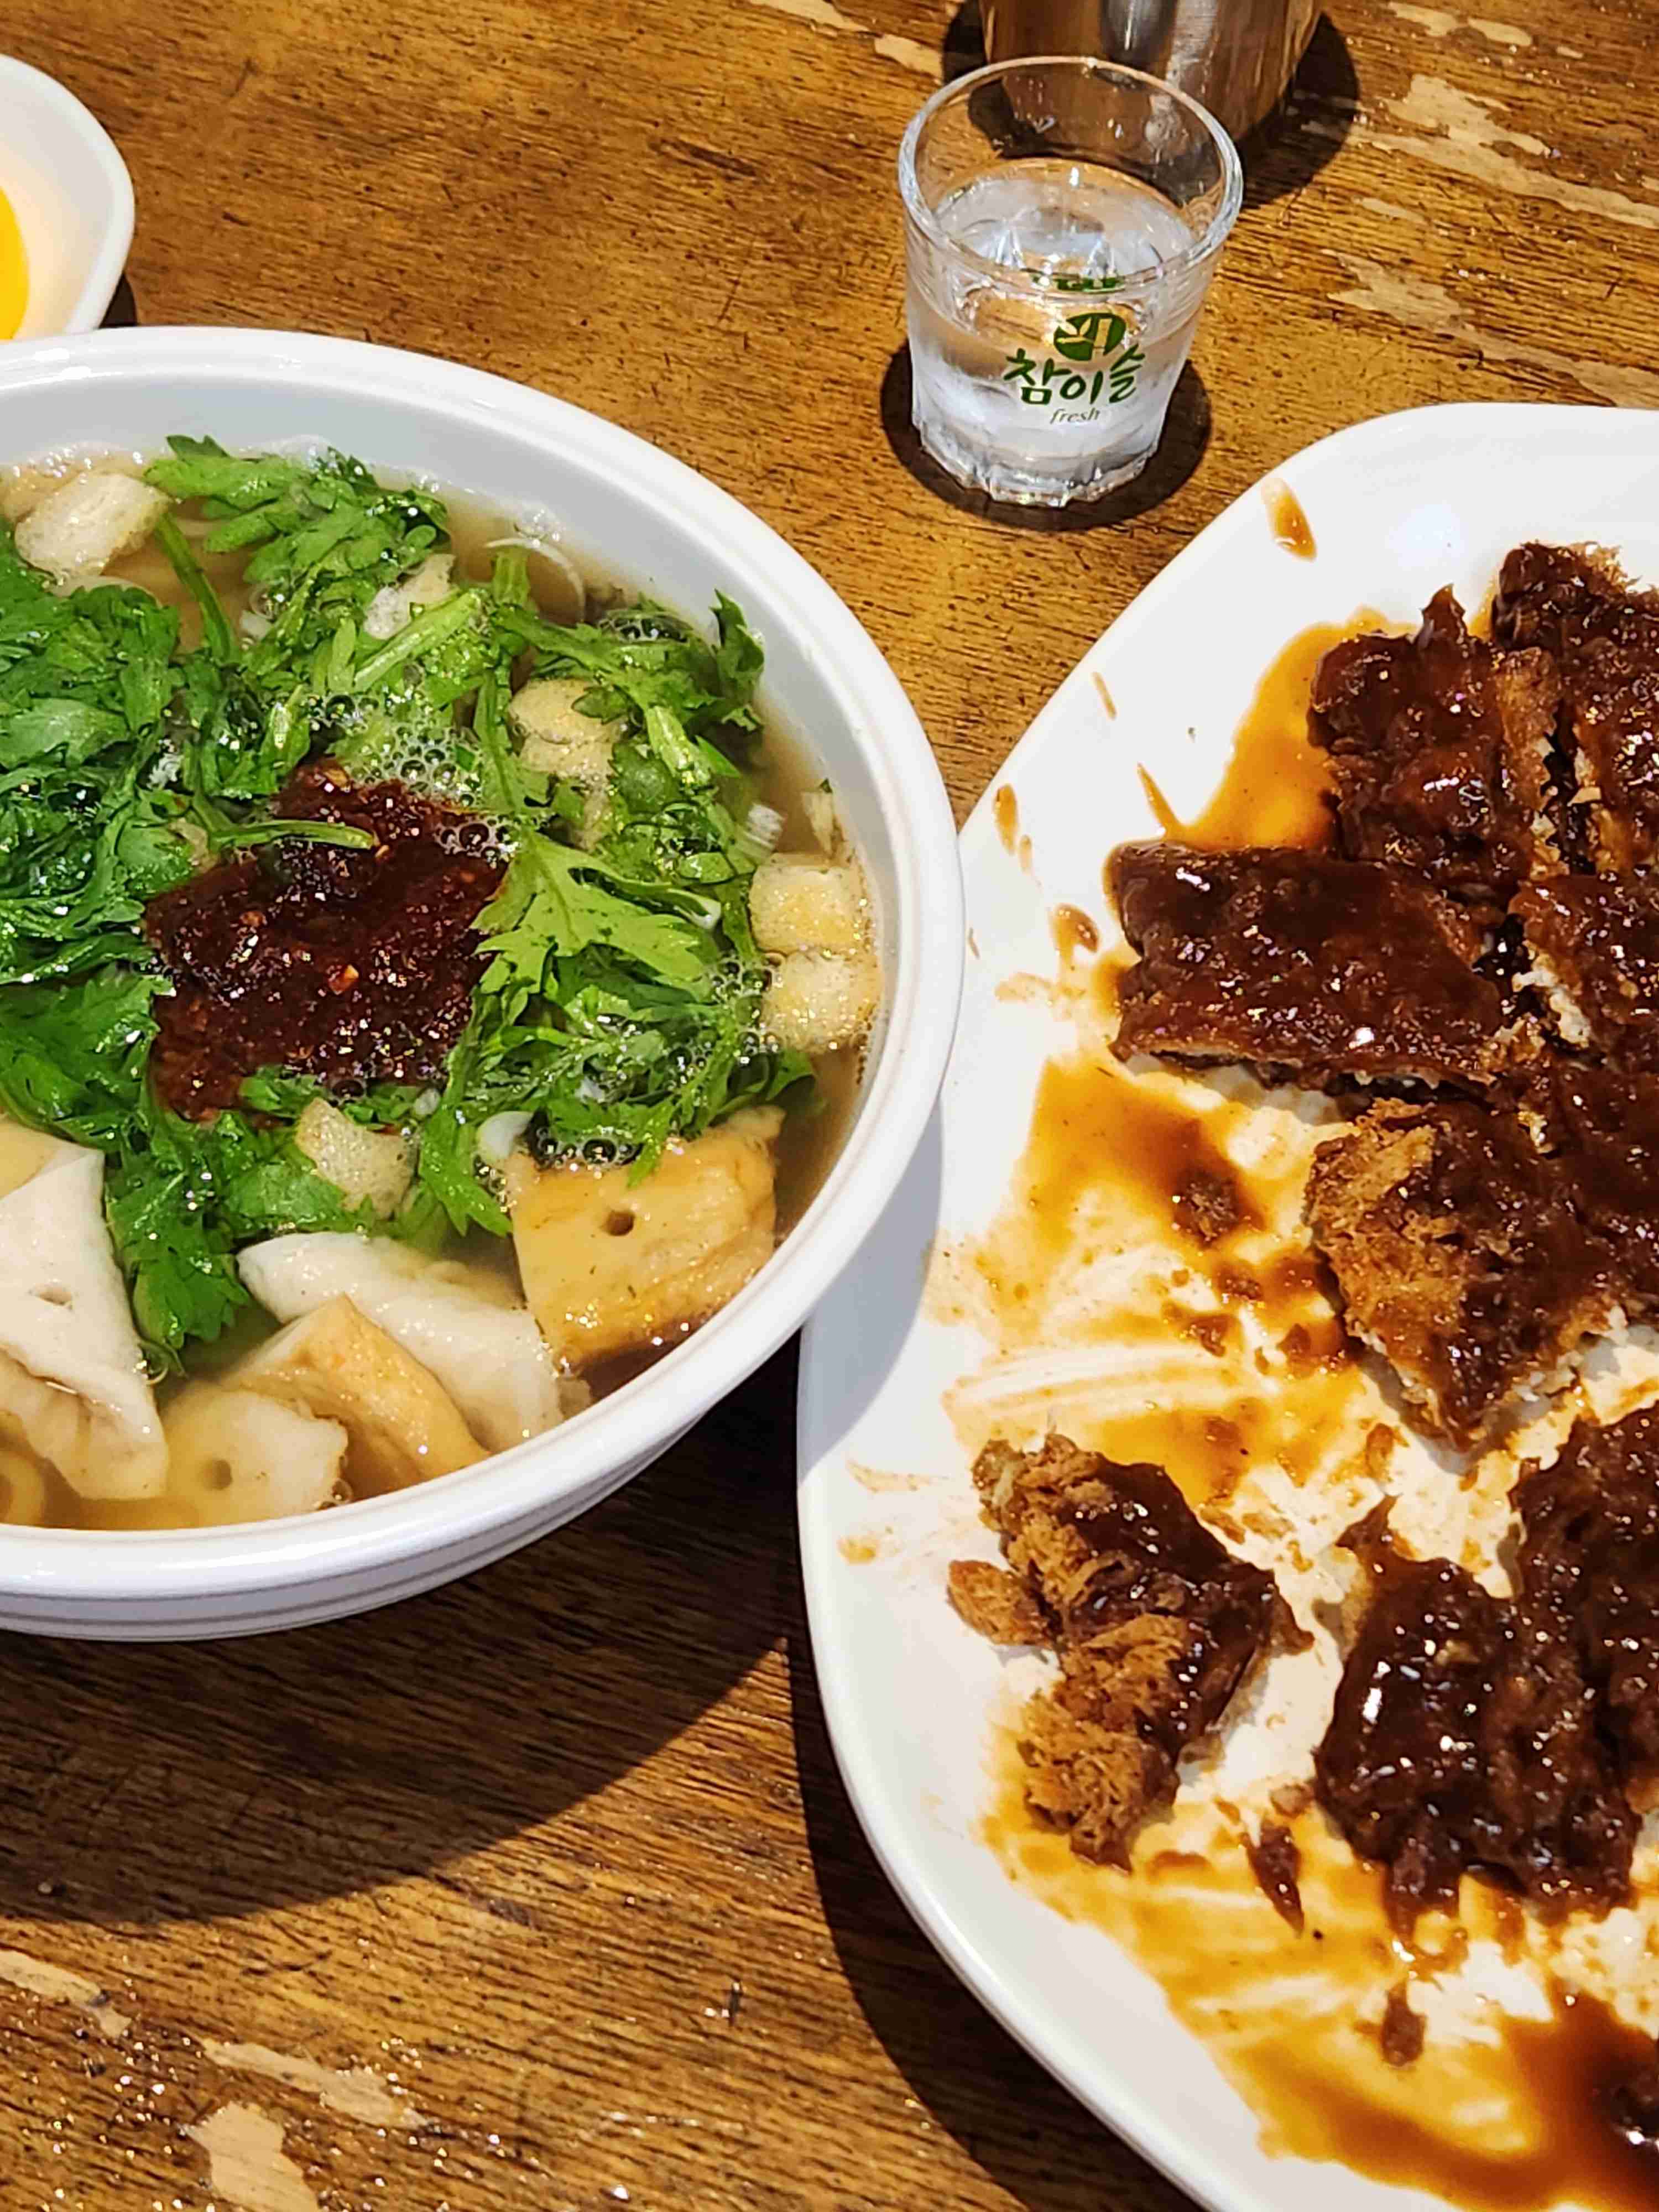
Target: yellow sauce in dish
[[14, 272]]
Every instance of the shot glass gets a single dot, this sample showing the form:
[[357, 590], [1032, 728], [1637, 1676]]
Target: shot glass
[[1063, 219]]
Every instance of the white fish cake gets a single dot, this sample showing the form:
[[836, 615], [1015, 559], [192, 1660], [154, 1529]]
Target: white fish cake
[[73, 1386], [245, 1455]]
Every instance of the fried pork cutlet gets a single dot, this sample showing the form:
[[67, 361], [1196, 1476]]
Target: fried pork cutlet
[[1463, 1739], [1602, 1129], [1593, 944], [1321, 970], [1589, 1557], [1604, 641], [1440, 751], [1458, 1255], [1155, 1622]]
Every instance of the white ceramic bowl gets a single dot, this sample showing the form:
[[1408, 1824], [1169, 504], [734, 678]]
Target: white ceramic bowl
[[658, 526], [72, 197]]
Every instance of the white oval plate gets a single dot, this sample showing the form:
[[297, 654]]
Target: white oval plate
[[1398, 507], [72, 197]]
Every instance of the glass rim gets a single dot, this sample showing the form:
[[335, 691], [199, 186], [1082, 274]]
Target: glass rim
[[1203, 247]]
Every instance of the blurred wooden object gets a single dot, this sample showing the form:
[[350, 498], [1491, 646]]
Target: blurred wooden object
[[559, 1856]]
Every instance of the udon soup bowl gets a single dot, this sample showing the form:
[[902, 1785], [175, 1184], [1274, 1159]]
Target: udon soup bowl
[[656, 526]]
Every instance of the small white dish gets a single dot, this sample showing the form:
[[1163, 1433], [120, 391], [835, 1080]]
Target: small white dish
[[72, 197], [1397, 506], [654, 524]]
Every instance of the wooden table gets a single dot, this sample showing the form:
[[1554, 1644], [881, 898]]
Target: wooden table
[[542, 1892]]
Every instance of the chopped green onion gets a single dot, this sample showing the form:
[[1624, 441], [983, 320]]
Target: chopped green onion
[[308, 832]]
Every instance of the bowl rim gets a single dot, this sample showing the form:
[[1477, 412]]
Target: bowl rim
[[161, 1566], [103, 271]]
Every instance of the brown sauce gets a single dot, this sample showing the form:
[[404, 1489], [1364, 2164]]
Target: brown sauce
[[1508, 2123], [1113, 1159], [1005, 808], [1107, 972], [1301, 2025], [1106, 698], [1073, 931], [1290, 526], [1217, 1333], [1275, 790], [1163, 813], [1095, 1129]]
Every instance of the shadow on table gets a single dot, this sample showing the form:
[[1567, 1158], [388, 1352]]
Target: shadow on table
[[1011, 2117], [1186, 433], [149, 1783], [122, 312], [1309, 125], [1285, 151]]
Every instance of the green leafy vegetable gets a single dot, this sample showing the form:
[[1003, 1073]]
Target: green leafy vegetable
[[620, 987], [180, 1199]]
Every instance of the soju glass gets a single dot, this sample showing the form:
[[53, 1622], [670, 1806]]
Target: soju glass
[[1063, 219]]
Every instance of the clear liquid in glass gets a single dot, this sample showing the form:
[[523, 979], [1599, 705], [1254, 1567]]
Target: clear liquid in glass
[[1051, 394]]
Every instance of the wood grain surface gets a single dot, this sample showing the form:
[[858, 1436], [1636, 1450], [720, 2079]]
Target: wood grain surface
[[542, 1892]]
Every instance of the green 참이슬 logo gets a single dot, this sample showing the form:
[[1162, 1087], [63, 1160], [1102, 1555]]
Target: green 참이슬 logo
[[1093, 336]]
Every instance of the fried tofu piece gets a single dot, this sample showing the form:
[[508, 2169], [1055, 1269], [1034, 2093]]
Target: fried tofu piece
[[1604, 637], [1440, 750], [23, 1151], [402, 1423], [1459, 1257], [1323, 969], [820, 1001], [1155, 1622], [611, 1265], [77, 531], [800, 902], [368, 1167], [396, 606], [461, 1321], [1593, 946]]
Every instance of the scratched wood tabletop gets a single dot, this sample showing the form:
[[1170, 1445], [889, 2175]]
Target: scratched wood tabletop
[[542, 1891]]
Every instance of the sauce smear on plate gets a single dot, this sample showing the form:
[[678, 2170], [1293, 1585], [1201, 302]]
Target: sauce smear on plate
[[1134, 1238], [1509, 2118], [1290, 526], [1275, 788]]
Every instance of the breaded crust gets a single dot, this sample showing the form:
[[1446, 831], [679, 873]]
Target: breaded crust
[[1155, 1623]]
